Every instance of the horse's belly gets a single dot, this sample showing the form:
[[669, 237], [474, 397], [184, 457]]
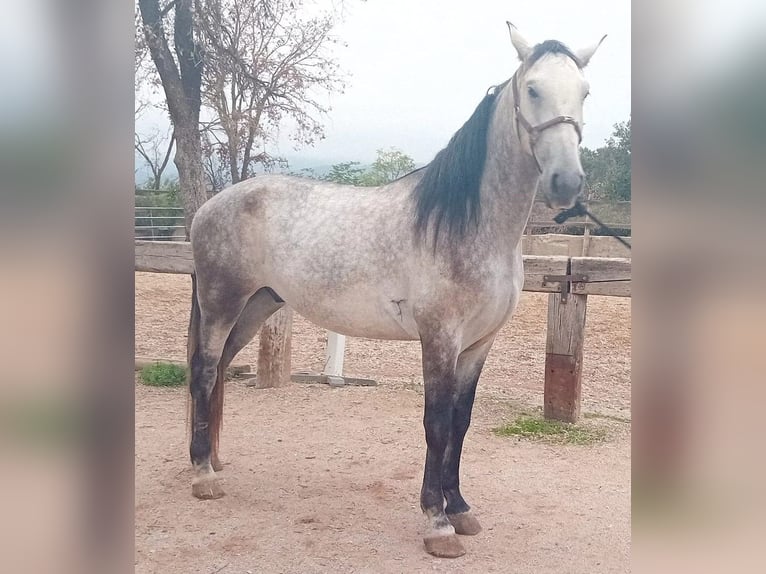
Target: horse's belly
[[357, 314]]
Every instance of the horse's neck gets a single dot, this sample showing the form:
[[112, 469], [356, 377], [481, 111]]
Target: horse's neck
[[510, 177]]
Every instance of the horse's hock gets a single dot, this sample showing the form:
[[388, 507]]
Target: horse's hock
[[568, 280]]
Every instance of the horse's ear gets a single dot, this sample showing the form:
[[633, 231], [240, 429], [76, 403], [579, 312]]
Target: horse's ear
[[518, 41], [586, 54]]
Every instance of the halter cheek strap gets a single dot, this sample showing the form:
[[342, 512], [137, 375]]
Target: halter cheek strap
[[535, 131]]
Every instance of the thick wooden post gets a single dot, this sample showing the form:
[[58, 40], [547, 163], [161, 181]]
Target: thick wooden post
[[563, 356], [274, 352]]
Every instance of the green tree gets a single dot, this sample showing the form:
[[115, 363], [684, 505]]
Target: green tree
[[347, 173], [619, 149], [608, 167], [389, 165]]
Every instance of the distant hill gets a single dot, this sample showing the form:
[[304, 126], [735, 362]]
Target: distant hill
[[297, 165], [317, 170]]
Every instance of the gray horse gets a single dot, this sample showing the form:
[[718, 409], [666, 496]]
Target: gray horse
[[434, 256]]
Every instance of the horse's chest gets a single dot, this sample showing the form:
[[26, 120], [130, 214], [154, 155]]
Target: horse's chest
[[496, 297]]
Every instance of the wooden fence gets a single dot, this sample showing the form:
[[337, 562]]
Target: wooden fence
[[568, 280]]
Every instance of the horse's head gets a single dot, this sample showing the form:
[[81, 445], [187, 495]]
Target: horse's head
[[549, 89]]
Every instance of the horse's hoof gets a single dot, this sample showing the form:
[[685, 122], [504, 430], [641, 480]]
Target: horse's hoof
[[207, 489], [465, 523], [448, 546], [216, 464]]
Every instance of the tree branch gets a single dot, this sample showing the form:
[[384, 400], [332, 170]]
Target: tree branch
[[167, 153]]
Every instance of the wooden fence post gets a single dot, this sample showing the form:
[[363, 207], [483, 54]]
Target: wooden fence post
[[563, 356], [274, 351], [586, 231]]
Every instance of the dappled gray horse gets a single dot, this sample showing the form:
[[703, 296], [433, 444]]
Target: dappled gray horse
[[434, 256]]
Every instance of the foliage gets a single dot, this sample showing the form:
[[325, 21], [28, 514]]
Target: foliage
[[172, 187], [307, 172], [608, 168], [163, 375], [347, 173], [537, 428], [169, 186], [389, 165]]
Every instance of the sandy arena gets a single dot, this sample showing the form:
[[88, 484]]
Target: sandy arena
[[322, 479]]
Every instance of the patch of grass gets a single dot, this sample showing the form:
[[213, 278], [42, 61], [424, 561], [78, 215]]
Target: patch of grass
[[537, 428], [163, 375]]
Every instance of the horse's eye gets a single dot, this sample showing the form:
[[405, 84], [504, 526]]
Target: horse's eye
[[532, 93], [586, 95]]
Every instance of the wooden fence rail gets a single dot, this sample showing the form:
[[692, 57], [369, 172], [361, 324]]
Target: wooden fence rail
[[569, 280]]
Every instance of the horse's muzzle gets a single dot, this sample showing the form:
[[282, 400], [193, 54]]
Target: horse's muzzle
[[564, 189]]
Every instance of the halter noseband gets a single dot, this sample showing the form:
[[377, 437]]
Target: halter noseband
[[535, 131]]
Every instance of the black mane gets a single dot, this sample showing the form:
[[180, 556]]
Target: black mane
[[550, 47], [448, 192]]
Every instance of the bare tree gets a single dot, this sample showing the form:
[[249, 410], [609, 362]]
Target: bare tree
[[215, 163], [155, 148], [253, 63], [265, 63]]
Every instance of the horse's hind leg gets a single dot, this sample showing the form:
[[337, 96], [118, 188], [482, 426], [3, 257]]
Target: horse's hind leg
[[439, 359], [469, 366], [258, 308], [262, 305], [212, 320]]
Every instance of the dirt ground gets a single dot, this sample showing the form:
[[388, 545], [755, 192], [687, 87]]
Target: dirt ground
[[322, 479]]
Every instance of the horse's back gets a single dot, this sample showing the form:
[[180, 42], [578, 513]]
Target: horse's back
[[339, 255]]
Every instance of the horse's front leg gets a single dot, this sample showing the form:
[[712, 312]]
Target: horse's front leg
[[469, 366], [440, 384]]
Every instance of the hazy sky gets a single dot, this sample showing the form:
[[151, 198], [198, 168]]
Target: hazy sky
[[417, 69]]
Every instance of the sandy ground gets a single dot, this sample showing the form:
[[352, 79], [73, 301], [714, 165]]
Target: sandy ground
[[327, 480]]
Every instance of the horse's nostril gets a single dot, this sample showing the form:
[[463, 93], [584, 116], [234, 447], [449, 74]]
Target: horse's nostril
[[566, 183]]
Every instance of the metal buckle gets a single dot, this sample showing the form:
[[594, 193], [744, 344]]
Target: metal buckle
[[565, 282]]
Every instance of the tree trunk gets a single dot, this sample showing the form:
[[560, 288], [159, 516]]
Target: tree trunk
[[181, 82], [191, 175]]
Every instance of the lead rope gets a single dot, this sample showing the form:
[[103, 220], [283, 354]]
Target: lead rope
[[579, 209]]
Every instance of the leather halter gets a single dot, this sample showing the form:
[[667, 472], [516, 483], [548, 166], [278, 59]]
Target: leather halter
[[535, 131]]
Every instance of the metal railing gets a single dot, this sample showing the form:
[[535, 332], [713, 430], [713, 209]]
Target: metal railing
[[166, 223], [159, 223]]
